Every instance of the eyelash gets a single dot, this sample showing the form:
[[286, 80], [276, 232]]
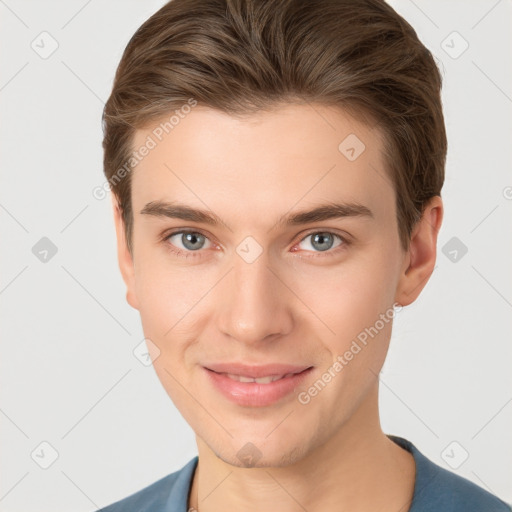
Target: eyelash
[[187, 254]]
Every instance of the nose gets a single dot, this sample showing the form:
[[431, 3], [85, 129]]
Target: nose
[[253, 303]]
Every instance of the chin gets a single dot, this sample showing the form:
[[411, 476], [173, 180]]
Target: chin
[[261, 455]]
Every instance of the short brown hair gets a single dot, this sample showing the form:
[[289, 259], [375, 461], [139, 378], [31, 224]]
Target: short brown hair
[[242, 56]]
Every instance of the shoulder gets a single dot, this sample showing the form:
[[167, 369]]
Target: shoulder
[[447, 491], [437, 489], [171, 489]]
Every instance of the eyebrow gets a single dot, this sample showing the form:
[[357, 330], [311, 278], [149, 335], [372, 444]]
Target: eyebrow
[[175, 210]]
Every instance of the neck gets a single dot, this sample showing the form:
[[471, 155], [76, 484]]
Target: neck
[[336, 475]]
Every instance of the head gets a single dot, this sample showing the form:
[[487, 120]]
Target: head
[[257, 113]]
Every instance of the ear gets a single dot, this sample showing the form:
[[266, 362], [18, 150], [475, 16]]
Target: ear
[[421, 256], [124, 257]]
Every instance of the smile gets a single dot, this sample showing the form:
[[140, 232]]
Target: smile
[[256, 386], [259, 380]]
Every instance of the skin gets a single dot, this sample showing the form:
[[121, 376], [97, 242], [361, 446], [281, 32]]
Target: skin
[[295, 303]]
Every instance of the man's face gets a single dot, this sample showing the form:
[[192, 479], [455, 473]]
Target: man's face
[[255, 290]]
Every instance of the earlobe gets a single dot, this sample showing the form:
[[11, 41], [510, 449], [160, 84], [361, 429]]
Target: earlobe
[[124, 257], [421, 258]]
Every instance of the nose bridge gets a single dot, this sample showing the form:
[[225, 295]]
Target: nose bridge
[[254, 305]]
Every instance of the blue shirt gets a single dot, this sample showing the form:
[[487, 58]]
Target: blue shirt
[[435, 490]]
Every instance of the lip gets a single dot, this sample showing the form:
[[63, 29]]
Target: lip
[[253, 394], [256, 371]]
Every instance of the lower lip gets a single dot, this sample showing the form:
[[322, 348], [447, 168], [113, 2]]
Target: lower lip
[[252, 394]]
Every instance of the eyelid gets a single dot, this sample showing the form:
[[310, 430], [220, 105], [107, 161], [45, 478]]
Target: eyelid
[[345, 240], [345, 236], [165, 237]]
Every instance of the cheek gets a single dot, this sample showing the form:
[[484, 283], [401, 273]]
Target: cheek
[[356, 303], [345, 300], [164, 296], [165, 305], [164, 289], [173, 301]]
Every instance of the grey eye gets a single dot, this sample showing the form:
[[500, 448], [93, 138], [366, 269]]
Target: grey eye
[[321, 241], [190, 240]]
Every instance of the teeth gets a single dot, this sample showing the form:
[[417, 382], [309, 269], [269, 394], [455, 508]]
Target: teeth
[[259, 380]]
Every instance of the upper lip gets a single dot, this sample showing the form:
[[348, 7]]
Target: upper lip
[[256, 371]]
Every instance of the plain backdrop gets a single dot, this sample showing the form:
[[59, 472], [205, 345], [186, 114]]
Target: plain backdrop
[[75, 398]]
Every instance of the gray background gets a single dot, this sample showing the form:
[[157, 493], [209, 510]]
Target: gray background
[[69, 376]]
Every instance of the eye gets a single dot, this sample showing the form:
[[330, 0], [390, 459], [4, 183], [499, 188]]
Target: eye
[[186, 242], [322, 241], [189, 243]]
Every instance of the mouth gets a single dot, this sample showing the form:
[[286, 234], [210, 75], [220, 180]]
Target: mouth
[[256, 371], [259, 380], [256, 386]]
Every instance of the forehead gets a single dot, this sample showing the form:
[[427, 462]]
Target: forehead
[[268, 161]]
